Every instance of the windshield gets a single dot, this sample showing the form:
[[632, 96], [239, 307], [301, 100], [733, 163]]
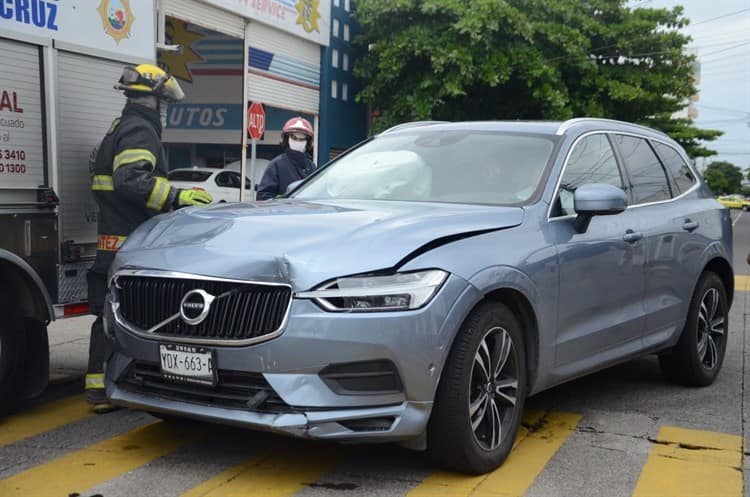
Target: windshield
[[437, 166], [188, 176]]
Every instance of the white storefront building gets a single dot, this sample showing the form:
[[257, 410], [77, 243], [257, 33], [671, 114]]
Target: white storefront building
[[282, 41]]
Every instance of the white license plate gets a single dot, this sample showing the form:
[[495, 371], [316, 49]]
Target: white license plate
[[187, 364]]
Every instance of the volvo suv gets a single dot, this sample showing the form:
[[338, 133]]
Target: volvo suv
[[420, 287]]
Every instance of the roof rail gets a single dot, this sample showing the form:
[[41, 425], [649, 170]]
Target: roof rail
[[571, 122], [413, 124]]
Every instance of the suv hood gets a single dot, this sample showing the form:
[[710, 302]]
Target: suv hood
[[304, 243]]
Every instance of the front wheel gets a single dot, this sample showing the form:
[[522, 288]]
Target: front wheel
[[698, 356], [482, 391], [11, 351]]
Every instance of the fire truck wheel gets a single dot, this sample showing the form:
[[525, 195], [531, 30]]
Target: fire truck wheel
[[11, 351]]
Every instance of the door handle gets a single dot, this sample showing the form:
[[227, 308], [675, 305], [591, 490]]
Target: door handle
[[631, 236], [689, 225]]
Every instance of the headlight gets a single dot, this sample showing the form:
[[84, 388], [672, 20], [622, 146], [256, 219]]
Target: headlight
[[397, 292]]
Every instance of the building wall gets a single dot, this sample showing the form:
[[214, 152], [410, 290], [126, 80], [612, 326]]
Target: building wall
[[343, 122]]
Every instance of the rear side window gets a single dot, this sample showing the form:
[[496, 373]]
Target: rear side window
[[188, 175], [675, 164], [591, 161], [648, 182]]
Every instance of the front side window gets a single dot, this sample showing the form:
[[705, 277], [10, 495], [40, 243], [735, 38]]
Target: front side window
[[592, 160], [457, 166], [228, 180], [648, 181], [675, 164]]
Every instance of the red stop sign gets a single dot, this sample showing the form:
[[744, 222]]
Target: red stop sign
[[256, 120]]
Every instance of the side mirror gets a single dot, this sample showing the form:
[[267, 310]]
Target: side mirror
[[597, 199], [292, 186]]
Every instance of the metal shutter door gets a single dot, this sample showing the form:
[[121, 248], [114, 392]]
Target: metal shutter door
[[87, 104], [21, 137], [284, 70], [206, 16]]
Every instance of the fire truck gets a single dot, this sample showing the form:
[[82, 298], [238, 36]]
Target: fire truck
[[59, 61]]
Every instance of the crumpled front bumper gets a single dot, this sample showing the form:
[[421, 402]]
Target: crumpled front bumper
[[410, 418], [415, 342]]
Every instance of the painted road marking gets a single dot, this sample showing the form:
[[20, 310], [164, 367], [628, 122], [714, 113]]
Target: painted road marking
[[533, 450], [737, 218], [86, 468], [741, 283], [280, 472], [43, 418], [692, 463]]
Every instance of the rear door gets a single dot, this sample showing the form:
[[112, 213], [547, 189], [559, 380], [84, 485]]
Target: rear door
[[673, 248], [228, 186]]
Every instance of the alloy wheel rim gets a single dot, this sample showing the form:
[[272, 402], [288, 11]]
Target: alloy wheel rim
[[711, 329], [493, 394]]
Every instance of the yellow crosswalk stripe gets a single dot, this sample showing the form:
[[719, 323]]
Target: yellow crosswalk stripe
[[532, 451], [692, 463], [280, 472], [741, 283], [86, 468], [43, 418]]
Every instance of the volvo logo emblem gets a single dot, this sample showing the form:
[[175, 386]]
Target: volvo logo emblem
[[195, 306]]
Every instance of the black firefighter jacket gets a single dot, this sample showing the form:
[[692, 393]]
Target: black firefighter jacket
[[129, 180], [286, 168]]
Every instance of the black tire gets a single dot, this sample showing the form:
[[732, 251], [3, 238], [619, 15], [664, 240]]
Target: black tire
[[697, 358], [452, 440], [11, 351]]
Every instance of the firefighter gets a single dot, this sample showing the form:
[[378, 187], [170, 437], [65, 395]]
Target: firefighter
[[130, 186], [294, 164]]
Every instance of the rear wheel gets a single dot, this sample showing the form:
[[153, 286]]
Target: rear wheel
[[698, 356], [11, 351], [482, 391]]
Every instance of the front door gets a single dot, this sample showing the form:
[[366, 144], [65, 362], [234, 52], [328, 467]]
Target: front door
[[601, 310]]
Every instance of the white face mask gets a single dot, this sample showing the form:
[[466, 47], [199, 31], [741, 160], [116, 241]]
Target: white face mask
[[297, 146]]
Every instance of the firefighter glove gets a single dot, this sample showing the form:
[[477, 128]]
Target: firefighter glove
[[194, 197]]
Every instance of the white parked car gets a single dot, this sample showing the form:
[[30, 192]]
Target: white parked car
[[260, 168], [222, 184]]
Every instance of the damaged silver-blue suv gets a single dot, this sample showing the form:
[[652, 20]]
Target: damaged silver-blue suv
[[420, 287]]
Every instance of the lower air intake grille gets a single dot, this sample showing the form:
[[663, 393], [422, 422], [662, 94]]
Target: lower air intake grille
[[235, 389]]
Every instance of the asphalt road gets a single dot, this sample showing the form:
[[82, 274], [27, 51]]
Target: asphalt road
[[622, 432]]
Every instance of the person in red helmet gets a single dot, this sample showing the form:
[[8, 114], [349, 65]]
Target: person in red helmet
[[294, 164]]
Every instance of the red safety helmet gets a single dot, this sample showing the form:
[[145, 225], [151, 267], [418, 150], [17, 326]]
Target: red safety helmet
[[298, 125]]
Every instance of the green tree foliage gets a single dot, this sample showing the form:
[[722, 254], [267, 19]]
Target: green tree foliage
[[723, 177], [527, 59]]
